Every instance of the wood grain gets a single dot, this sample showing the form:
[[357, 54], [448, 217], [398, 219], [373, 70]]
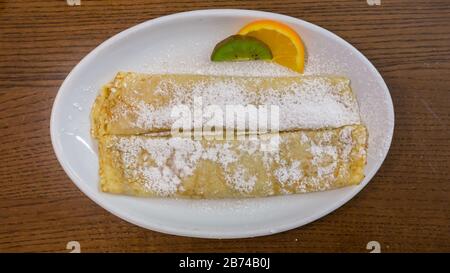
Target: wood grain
[[406, 207]]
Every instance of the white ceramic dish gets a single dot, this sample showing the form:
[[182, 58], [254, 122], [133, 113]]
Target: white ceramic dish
[[182, 43]]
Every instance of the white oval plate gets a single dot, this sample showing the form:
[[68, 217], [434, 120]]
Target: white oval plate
[[182, 43]]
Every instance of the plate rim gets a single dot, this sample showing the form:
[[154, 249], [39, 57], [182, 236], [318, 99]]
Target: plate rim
[[193, 232]]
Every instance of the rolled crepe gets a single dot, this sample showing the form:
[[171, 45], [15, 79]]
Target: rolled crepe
[[136, 103], [305, 161]]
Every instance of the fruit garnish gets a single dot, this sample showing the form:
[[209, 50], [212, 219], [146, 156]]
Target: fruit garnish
[[286, 45], [241, 48]]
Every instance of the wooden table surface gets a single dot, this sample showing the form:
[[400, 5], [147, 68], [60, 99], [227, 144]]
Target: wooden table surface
[[406, 207]]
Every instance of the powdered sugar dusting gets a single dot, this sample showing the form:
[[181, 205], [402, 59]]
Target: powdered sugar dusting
[[288, 174], [308, 102], [161, 164]]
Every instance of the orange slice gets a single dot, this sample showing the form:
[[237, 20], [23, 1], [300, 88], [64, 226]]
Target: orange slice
[[286, 45]]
